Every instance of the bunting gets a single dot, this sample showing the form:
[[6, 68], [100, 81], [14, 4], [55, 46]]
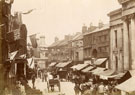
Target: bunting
[[28, 12]]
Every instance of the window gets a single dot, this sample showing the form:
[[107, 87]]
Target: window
[[122, 38], [116, 59], [107, 49], [116, 43], [105, 38], [46, 54]]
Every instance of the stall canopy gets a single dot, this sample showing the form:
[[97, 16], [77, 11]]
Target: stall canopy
[[63, 64], [52, 64], [98, 70], [126, 76], [88, 62], [88, 69], [118, 76], [127, 86], [100, 61], [106, 74], [79, 66]]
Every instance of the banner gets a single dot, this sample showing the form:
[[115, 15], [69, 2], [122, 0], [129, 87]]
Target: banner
[[33, 40], [13, 54]]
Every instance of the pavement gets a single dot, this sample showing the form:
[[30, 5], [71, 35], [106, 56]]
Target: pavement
[[67, 88]]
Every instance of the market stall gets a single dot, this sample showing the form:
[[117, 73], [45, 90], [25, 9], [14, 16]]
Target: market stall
[[127, 87]]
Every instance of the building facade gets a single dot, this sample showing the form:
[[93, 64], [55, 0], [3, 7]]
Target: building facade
[[116, 40], [122, 23], [60, 50], [77, 47], [96, 43]]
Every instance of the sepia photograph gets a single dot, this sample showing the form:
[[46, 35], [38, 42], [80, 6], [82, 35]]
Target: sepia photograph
[[67, 47]]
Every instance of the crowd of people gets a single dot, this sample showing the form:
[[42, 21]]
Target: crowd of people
[[95, 88]]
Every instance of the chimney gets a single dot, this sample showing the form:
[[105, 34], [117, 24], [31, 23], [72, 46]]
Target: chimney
[[56, 39], [67, 37], [84, 29], [100, 24]]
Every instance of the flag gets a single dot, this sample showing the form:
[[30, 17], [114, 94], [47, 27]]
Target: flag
[[33, 40], [28, 12]]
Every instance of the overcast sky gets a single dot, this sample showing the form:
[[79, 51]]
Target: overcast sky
[[60, 17]]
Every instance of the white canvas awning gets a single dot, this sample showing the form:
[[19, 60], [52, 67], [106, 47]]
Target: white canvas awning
[[63, 64], [88, 62], [100, 61], [79, 66], [98, 70], [52, 64], [106, 74], [127, 86], [88, 69]]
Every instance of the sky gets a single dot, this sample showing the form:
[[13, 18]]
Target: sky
[[56, 18]]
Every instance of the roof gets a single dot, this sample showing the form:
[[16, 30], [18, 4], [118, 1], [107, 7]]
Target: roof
[[77, 37], [115, 12], [88, 69], [127, 86], [55, 44], [63, 42], [105, 27], [79, 66], [100, 61]]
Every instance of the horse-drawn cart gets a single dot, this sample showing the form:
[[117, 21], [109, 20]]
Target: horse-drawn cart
[[52, 83]]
